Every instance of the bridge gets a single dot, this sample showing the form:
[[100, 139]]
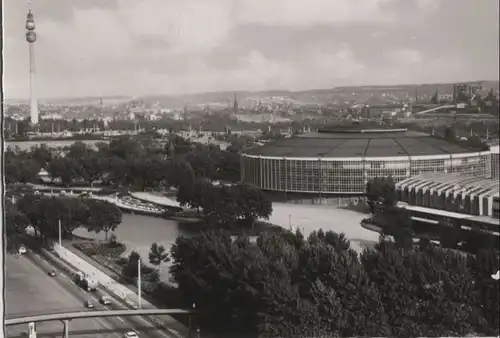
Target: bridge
[[434, 109], [66, 317]]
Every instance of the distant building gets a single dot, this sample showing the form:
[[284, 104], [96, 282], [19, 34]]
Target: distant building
[[235, 105], [52, 116]]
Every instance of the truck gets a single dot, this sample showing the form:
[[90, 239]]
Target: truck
[[85, 281]]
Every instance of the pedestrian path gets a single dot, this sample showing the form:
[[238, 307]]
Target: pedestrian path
[[102, 275]]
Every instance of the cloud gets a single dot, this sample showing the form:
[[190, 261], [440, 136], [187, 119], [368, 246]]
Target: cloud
[[186, 25], [405, 57], [171, 46], [313, 12], [428, 5]]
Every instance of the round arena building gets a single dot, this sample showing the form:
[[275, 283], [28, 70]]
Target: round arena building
[[342, 161]]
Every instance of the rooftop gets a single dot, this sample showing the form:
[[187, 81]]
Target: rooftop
[[449, 214], [354, 142], [453, 182]]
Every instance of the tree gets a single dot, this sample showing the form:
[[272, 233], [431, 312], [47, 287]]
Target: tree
[[320, 261], [118, 171], [42, 155], [435, 98], [196, 194], [203, 163], [94, 167], [104, 216], [482, 265], [15, 225], [381, 191], [252, 202], [19, 169], [79, 150], [125, 148], [158, 255], [66, 169], [45, 213], [397, 222], [283, 285], [131, 269], [222, 207]]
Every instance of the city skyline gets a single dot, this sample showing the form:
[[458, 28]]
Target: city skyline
[[129, 47]]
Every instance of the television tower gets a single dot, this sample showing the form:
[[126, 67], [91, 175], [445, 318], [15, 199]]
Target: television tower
[[31, 38]]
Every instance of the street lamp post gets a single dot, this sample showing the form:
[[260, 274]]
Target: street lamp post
[[190, 321], [139, 290], [60, 233]]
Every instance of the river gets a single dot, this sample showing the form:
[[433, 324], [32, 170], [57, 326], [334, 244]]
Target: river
[[139, 232]]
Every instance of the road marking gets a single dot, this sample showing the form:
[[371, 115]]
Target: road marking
[[95, 321], [120, 319], [174, 332]]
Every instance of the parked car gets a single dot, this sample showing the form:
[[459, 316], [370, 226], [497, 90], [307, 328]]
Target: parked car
[[131, 334], [22, 249], [89, 304]]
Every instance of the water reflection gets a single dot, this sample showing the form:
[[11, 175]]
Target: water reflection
[[139, 232]]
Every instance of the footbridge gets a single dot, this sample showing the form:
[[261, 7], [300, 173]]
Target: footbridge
[[67, 317]]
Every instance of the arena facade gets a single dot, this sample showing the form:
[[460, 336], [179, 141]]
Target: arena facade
[[342, 161]]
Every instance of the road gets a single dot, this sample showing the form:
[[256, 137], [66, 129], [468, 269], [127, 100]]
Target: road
[[31, 291]]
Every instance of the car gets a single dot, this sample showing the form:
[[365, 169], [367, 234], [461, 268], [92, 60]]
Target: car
[[52, 273], [131, 334], [22, 249], [89, 304], [105, 300]]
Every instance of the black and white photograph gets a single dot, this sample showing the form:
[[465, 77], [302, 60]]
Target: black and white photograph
[[250, 168]]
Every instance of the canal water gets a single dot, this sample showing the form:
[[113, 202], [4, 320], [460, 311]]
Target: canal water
[[139, 232]]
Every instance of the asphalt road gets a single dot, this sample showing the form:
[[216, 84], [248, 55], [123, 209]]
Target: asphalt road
[[31, 291]]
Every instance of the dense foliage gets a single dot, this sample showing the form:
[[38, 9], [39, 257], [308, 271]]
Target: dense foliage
[[131, 162], [290, 286], [43, 214]]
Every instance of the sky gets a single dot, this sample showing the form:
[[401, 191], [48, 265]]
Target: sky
[[141, 47]]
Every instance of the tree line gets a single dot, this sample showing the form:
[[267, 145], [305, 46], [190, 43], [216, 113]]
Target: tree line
[[131, 162], [224, 205], [287, 285], [43, 214]]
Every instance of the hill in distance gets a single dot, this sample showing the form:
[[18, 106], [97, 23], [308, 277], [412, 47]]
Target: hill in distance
[[313, 96]]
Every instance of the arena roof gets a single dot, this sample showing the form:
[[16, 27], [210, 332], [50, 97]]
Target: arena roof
[[453, 183], [354, 143]]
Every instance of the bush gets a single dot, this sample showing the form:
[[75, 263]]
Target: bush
[[121, 261], [106, 191]]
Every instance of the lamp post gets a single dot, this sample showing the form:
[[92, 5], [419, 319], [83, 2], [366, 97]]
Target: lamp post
[[190, 321], [60, 233], [139, 290]]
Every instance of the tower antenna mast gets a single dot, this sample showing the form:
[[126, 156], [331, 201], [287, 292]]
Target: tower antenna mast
[[31, 38]]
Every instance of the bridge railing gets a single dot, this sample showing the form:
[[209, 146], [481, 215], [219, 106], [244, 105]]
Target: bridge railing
[[94, 314]]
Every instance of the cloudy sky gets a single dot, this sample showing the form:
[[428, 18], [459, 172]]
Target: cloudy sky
[[137, 47]]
